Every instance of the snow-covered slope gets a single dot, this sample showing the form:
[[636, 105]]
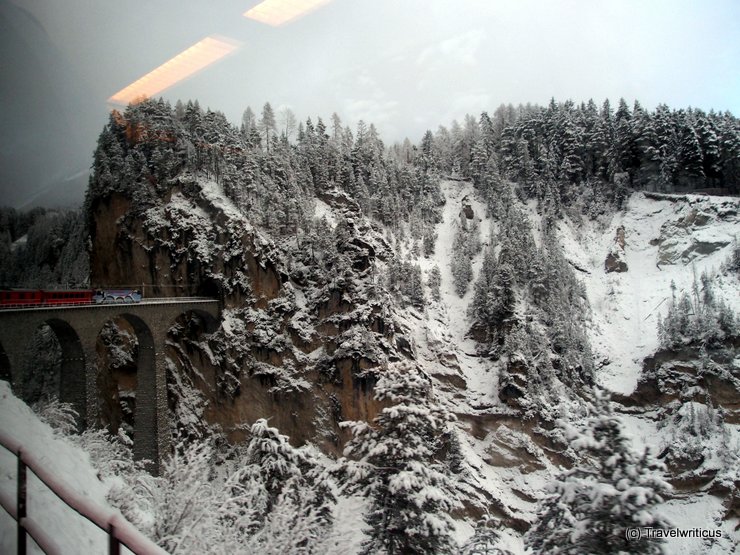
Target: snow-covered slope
[[667, 239], [446, 327], [666, 242], [72, 532], [492, 442], [688, 510]]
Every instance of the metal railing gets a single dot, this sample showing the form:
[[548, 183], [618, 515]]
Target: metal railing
[[119, 530]]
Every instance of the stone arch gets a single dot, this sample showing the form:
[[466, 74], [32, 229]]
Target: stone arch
[[145, 420], [72, 372]]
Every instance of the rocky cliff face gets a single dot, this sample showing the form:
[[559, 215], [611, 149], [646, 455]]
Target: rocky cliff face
[[701, 227], [295, 352], [312, 313], [304, 353], [186, 245], [679, 400], [181, 203], [615, 259]]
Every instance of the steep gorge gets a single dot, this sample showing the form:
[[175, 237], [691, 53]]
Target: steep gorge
[[311, 316]]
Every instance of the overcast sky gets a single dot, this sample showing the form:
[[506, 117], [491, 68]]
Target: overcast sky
[[405, 65]]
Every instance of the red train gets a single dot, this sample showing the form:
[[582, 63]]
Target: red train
[[38, 297], [15, 298]]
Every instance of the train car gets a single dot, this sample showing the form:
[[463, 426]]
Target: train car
[[105, 296], [13, 298], [79, 296], [21, 297]]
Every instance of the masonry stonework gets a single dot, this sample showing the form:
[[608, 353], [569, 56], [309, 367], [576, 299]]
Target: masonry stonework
[[77, 330]]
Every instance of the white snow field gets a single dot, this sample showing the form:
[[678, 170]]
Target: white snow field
[[626, 306], [71, 532]]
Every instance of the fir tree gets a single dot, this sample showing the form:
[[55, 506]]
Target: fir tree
[[494, 299], [427, 242], [267, 123], [415, 286], [590, 507], [486, 539], [249, 122], [460, 265], [395, 463], [434, 281], [283, 474], [690, 158], [705, 320]]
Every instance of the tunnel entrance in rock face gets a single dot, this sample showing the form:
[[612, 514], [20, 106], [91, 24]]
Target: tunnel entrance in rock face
[[126, 382], [210, 288]]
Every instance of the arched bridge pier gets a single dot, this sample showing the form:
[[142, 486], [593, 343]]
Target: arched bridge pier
[[77, 329]]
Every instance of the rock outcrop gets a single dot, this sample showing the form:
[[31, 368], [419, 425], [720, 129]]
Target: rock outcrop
[[704, 228], [466, 210], [694, 392], [615, 259], [307, 366], [186, 245]]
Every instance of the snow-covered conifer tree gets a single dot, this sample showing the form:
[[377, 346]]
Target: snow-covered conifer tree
[[460, 265], [291, 489], [486, 539], [270, 458], [395, 463], [434, 281], [611, 489], [415, 286], [267, 123]]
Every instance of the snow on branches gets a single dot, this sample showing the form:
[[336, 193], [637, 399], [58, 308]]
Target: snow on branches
[[610, 490], [395, 462]]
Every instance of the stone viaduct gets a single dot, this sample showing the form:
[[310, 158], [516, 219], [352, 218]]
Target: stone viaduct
[[77, 329]]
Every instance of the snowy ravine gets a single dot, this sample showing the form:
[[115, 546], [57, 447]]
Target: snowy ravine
[[622, 328], [469, 382], [447, 323], [665, 237]]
